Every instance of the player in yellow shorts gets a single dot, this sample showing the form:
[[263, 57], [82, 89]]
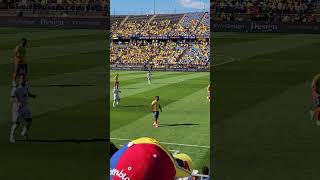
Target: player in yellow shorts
[[20, 60], [116, 80], [155, 107], [209, 92]]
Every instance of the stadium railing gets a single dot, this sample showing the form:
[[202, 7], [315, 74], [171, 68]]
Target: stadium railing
[[167, 67], [151, 12]]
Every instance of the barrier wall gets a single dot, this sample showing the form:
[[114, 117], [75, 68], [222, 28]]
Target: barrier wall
[[234, 26], [55, 22], [161, 69]]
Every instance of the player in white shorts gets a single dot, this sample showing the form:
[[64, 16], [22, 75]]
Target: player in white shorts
[[20, 110], [116, 96], [149, 77]]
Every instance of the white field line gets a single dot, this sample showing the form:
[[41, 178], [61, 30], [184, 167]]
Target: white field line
[[70, 73], [231, 59], [168, 143], [174, 152]]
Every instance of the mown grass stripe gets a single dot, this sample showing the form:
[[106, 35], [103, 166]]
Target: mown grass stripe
[[56, 50], [157, 83], [32, 43], [193, 108]]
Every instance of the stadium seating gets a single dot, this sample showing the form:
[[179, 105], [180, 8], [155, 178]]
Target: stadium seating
[[265, 10], [185, 43], [198, 54], [57, 7], [161, 25]]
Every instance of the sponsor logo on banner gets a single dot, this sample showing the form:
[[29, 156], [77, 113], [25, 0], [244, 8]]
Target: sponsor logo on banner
[[260, 26], [54, 22], [120, 173]]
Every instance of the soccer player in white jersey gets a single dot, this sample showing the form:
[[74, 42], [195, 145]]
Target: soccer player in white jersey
[[149, 77], [20, 110], [116, 96]]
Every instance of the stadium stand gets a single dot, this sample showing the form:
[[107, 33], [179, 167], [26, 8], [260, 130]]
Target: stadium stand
[[55, 7], [161, 41], [266, 10]]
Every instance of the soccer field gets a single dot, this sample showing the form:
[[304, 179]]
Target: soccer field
[[184, 124], [262, 127], [67, 72]]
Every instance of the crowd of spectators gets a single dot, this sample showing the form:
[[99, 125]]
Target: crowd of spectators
[[81, 5], [143, 28], [170, 53], [198, 54], [265, 6], [185, 52], [160, 53], [134, 52], [269, 17], [203, 28], [265, 10], [186, 27]]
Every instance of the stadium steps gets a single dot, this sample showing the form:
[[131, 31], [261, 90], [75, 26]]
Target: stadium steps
[[182, 19], [201, 21], [174, 18], [183, 53], [138, 18], [118, 18], [152, 18], [124, 20]]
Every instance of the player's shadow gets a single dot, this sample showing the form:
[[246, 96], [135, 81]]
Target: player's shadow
[[65, 85], [76, 141], [129, 88], [183, 124], [130, 106]]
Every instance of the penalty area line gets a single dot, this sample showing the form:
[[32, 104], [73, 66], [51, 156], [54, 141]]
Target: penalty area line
[[231, 59], [168, 143]]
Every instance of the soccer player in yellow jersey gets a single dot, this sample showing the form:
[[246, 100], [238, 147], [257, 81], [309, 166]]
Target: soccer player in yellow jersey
[[116, 80], [209, 92], [20, 60], [155, 107]]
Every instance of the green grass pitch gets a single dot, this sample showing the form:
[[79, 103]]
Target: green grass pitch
[[261, 123], [184, 122], [67, 71]]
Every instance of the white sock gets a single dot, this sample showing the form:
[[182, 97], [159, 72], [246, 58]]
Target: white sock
[[114, 103], [311, 114], [117, 103], [13, 130], [24, 131]]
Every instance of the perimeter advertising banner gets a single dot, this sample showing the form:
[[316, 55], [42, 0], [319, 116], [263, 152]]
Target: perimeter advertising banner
[[56, 22], [234, 26]]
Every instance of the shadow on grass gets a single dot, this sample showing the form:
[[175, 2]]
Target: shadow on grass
[[129, 106], [184, 124], [76, 141], [129, 88], [64, 85]]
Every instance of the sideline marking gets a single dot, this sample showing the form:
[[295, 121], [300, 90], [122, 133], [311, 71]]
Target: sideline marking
[[168, 143]]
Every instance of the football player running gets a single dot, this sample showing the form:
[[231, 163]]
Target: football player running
[[155, 107], [20, 60], [21, 113]]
